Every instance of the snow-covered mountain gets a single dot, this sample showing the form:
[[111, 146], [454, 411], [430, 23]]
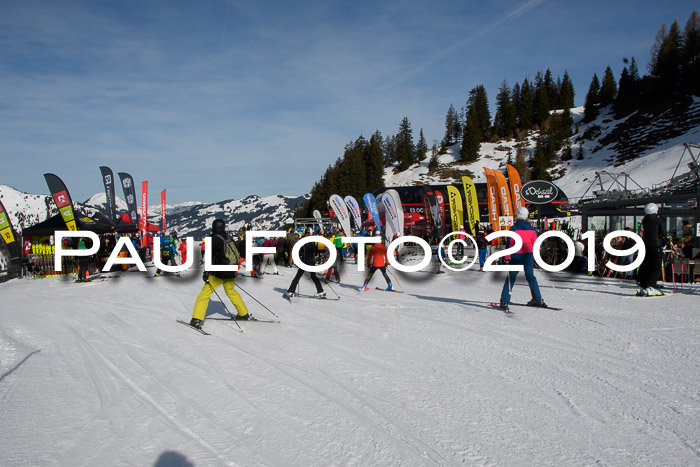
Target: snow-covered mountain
[[649, 155], [187, 219]]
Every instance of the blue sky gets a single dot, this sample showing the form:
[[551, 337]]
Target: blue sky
[[216, 100]]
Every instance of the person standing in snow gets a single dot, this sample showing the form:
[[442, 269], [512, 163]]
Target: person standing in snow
[[335, 268], [167, 254], [525, 258], [268, 258], [377, 260], [307, 254], [653, 234], [214, 279], [483, 247]]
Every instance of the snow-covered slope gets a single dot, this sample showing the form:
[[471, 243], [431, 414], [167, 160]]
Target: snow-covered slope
[[102, 374], [652, 165], [190, 218]]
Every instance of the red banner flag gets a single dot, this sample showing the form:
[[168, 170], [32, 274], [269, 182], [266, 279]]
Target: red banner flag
[[144, 212], [162, 208]]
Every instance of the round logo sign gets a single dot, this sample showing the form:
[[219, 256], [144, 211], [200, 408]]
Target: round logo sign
[[539, 192]]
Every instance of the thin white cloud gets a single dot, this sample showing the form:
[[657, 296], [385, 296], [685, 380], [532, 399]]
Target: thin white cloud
[[448, 51]]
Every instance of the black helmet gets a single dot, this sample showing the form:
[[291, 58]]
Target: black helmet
[[219, 226]]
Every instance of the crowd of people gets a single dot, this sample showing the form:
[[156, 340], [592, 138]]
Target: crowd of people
[[226, 248]]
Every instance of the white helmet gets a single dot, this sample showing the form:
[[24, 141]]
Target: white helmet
[[651, 208], [522, 213]]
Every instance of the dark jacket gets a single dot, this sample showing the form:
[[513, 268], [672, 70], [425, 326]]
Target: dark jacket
[[307, 253], [218, 256], [654, 232]]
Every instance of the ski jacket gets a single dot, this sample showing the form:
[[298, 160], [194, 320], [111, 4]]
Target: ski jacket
[[377, 256], [307, 253], [654, 232], [527, 232], [218, 255]]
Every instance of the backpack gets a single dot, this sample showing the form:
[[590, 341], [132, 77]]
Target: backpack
[[231, 255], [165, 249]]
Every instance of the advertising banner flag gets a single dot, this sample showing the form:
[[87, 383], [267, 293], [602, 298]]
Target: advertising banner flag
[[399, 209], [373, 209], [129, 195], [354, 208], [162, 208], [11, 267], [456, 207], [6, 231], [341, 211], [504, 194], [144, 210], [429, 223], [108, 180], [319, 218], [63, 200], [433, 215], [390, 214], [441, 205], [492, 186], [515, 185], [472, 203]]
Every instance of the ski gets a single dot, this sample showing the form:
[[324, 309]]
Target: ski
[[657, 296], [498, 306], [246, 320], [530, 306], [192, 327], [311, 296], [388, 290]]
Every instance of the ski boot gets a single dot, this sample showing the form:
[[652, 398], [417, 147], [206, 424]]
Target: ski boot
[[244, 317], [196, 323], [503, 306], [538, 303], [320, 295]]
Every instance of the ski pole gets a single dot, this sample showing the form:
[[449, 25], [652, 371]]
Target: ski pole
[[258, 301], [233, 318], [673, 276], [392, 275], [336, 293], [550, 283]]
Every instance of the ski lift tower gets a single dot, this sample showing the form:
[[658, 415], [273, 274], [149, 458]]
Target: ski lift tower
[[614, 186]]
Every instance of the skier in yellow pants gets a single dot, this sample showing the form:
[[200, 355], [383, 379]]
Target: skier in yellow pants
[[220, 244]]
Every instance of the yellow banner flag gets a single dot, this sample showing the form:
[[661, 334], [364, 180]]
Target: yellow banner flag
[[456, 207]]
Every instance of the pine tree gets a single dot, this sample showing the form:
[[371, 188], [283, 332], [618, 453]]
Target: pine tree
[[433, 164], [590, 111], [478, 110], [471, 141], [666, 59], [504, 120], [521, 165], [405, 149], [453, 127], [477, 125], [421, 147], [691, 54], [390, 153], [526, 110], [608, 88], [375, 163], [552, 90], [566, 92], [540, 101]]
